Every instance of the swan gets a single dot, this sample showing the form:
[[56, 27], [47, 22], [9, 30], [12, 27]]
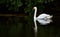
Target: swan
[[43, 19]]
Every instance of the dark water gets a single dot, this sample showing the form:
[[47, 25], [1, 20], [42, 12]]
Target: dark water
[[23, 27]]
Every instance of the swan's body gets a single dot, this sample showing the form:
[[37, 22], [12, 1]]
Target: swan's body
[[43, 19]]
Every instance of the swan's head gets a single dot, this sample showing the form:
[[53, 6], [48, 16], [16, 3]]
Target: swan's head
[[35, 8]]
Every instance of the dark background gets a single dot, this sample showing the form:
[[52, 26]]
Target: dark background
[[23, 24]]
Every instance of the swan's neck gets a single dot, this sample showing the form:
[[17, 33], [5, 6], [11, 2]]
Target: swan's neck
[[35, 12]]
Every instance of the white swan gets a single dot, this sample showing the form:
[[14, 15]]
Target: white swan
[[43, 19]]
